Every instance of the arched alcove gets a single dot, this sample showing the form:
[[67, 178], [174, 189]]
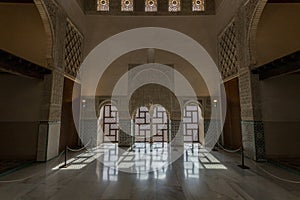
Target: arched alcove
[[151, 124], [193, 123], [278, 31], [108, 123], [27, 33], [277, 36], [25, 38]]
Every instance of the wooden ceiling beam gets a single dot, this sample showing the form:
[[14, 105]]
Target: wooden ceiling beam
[[282, 66], [19, 66]]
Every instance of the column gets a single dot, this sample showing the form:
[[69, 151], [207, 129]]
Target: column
[[252, 125], [49, 128]]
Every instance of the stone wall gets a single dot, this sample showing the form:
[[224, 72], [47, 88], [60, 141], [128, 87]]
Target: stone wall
[[20, 115], [280, 106]]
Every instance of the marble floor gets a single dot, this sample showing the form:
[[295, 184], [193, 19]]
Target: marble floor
[[197, 174], [7, 166], [292, 163]]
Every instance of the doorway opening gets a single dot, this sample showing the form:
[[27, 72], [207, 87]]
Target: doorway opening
[[109, 123], [68, 132], [151, 125], [232, 133], [193, 125]]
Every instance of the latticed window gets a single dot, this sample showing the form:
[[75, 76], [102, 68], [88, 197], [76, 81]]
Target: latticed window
[[110, 123], [142, 125], [73, 49], [174, 5], [151, 127], [198, 5], [102, 5], [126, 5], [191, 123], [228, 55], [160, 127], [151, 5]]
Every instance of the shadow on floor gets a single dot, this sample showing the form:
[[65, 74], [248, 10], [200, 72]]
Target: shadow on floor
[[9, 166]]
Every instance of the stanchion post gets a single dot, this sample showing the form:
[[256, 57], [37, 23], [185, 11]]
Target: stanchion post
[[132, 143], [243, 166], [66, 150], [131, 146], [65, 164]]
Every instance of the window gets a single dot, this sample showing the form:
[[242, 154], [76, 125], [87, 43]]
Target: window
[[126, 5], [174, 5], [191, 123], [160, 126], [151, 5], [142, 125], [151, 126], [110, 123], [102, 5], [198, 5]]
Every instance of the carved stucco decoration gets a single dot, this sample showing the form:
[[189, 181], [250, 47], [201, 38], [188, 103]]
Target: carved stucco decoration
[[56, 17], [227, 51], [73, 49], [247, 22], [51, 9]]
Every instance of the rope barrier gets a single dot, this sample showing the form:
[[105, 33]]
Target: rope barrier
[[277, 177], [229, 151], [23, 179], [77, 150]]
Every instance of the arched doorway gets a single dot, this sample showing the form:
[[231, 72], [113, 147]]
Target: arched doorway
[[160, 124], [141, 123], [108, 124], [151, 124], [193, 125]]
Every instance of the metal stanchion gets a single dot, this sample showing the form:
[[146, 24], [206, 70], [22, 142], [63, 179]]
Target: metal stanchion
[[243, 166], [133, 136], [215, 148], [131, 146], [65, 164]]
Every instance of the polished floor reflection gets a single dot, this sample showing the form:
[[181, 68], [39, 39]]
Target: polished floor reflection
[[144, 158], [197, 174]]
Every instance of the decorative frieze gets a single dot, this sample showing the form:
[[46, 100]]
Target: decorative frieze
[[57, 18], [52, 10]]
